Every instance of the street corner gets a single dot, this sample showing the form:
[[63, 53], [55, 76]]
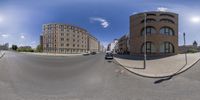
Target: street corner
[[159, 68]]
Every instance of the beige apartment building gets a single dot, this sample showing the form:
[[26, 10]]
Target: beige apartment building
[[161, 29], [64, 38], [93, 44]]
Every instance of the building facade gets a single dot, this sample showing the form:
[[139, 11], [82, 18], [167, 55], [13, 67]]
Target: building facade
[[123, 45], [161, 30], [64, 38], [4, 46], [93, 44]]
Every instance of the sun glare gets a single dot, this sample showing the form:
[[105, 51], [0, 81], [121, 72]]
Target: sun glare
[[195, 19], [1, 19]]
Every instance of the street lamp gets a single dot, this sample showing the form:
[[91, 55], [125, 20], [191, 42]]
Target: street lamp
[[185, 48], [145, 37]]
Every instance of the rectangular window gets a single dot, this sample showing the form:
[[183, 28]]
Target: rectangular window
[[62, 39], [62, 45]]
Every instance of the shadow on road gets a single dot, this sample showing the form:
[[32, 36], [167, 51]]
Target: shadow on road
[[163, 79], [110, 61], [1, 56]]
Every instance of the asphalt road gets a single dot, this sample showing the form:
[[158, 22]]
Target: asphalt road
[[33, 77]]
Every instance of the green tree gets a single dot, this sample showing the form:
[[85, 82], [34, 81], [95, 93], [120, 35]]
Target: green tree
[[14, 47], [39, 48]]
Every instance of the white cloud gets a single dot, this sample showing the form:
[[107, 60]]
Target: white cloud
[[104, 22], [22, 36], [162, 9], [4, 35], [33, 42]]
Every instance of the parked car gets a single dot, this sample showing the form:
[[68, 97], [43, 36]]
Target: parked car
[[109, 55], [86, 54], [93, 53]]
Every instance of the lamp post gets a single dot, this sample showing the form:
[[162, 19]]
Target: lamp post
[[185, 48], [145, 33]]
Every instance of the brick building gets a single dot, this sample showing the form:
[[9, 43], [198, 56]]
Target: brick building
[[161, 31]]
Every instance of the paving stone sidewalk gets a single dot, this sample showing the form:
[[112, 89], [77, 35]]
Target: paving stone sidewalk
[[157, 68]]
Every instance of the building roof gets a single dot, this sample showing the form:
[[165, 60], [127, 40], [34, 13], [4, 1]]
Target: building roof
[[167, 12]]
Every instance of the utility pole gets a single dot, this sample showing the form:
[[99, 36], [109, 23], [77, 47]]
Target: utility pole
[[185, 48], [145, 33]]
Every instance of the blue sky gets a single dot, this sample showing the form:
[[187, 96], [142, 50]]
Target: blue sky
[[21, 21]]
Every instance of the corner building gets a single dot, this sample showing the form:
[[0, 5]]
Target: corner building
[[64, 38], [161, 33]]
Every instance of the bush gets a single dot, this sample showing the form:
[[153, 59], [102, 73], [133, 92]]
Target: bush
[[25, 50], [192, 50]]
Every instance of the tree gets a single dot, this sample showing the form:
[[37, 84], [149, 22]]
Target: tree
[[39, 48], [14, 47], [195, 43]]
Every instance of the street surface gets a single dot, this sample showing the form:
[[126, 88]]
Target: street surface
[[34, 77]]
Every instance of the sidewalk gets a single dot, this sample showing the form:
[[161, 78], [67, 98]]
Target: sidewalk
[[51, 54], [156, 68]]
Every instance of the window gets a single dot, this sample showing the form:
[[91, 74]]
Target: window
[[73, 40], [166, 31], [150, 48], [166, 47], [168, 15], [167, 21], [67, 40], [151, 14], [62, 34], [67, 45], [62, 39], [149, 20], [149, 30], [73, 45], [62, 29], [62, 45]]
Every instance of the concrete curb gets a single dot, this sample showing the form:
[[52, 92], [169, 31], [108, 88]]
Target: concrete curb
[[146, 76]]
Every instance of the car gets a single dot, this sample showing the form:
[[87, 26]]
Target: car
[[86, 54], [109, 55], [93, 53]]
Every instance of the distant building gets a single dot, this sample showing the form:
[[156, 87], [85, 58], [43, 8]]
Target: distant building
[[184, 49], [102, 48], [25, 47], [109, 47], [123, 45], [162, 33], [64, 38], [4, 46], [93, 44], [41, 41], [112, 45]]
